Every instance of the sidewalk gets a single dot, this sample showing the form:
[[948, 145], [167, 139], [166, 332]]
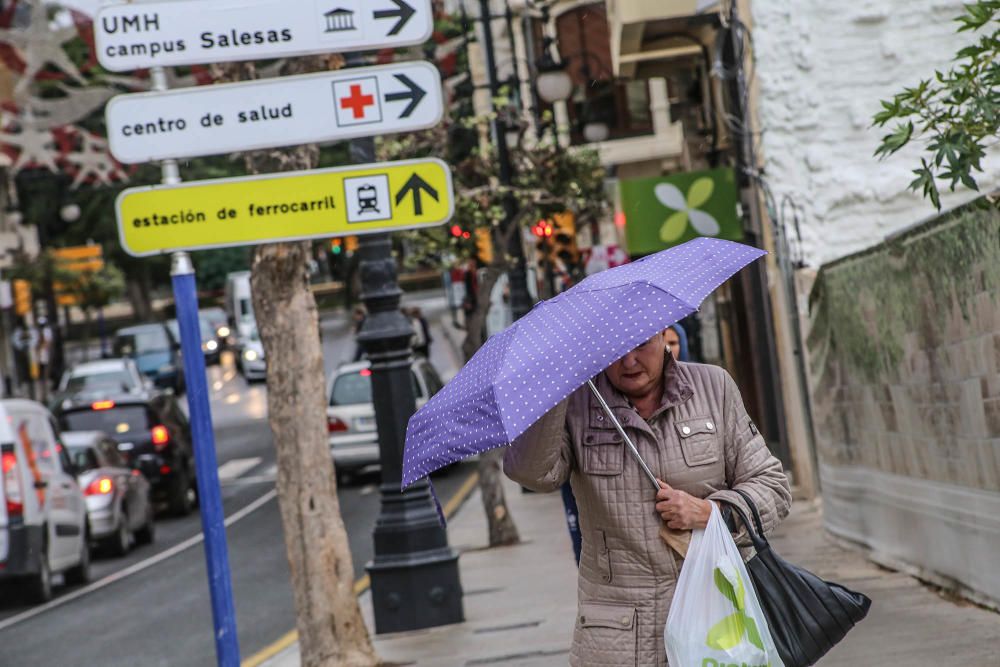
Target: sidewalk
[[520, 602]]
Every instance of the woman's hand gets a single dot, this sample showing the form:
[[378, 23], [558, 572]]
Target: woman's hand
[[681, 511]]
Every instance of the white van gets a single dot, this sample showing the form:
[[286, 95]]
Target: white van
[[43, 517], [239, 304]]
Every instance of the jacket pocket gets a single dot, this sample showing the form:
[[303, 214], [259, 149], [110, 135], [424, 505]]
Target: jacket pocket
[[603, 453], [699, 440], [607, 634]]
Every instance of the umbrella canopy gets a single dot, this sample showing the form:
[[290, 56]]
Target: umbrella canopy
[[523, 372]]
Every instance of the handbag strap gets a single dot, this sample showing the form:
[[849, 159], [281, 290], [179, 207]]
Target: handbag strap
[[753, 509], [756, 536]]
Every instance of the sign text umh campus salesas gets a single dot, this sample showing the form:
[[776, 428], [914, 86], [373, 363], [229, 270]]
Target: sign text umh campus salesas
[[140, 35], [225, 118], [320, 203]]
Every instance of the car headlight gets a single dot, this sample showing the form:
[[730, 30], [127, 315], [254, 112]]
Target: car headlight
[[167, 368], [223, 332], [250, 355], [211, 346]]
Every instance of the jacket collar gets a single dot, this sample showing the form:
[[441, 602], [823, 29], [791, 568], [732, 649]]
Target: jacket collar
[[676, 388]]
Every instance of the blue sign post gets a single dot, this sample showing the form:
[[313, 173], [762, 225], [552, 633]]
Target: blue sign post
[[227, 649]]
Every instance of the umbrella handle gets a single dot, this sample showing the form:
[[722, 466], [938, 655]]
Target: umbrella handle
[[628, 440]]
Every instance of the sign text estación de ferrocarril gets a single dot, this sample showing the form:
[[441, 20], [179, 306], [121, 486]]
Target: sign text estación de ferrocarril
[[147, 34]]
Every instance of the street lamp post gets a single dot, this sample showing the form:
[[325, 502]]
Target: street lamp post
[[520, 298], [414, 574]]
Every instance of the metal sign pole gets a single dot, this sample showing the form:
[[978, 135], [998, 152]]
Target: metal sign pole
[[227, 649]]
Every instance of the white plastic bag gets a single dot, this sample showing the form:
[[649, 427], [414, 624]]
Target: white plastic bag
[[715, 619]]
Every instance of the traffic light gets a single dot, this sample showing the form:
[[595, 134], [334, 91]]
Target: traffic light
[[337, 246], [484, 245], [22, 297], [543, 229], [459, 233], [564, 241]]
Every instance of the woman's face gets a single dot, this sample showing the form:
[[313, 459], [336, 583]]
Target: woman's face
[[673, 342]]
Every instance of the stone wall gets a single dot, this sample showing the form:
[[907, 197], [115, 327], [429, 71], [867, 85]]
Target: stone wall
[[904, 357], [821, 69]]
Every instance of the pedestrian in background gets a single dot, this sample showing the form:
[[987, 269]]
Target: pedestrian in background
[[689, 424], [358, 317], [677, 342], [421, 332]]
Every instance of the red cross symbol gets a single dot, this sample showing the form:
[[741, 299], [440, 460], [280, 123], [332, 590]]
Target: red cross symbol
[[357, 102]]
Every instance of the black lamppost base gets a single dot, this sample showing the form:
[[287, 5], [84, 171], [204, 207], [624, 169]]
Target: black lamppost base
[[419, 591]]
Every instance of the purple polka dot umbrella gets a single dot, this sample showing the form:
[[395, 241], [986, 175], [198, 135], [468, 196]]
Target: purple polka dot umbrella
[[523, 372]]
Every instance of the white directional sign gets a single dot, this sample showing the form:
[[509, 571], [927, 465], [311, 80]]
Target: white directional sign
[[190, 32], [330, 106]]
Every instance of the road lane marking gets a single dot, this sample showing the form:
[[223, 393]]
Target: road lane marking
[[234, 468], [136, 567], [362, 584]]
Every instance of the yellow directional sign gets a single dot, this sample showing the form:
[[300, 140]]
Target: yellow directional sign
[[361, 199]]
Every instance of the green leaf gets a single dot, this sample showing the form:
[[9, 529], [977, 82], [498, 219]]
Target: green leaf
[[674, 227], [753, 634], [727, 633], [726, 588], [700, 192]]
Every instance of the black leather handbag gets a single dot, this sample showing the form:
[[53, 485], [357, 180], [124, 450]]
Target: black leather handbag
[[806, 615]]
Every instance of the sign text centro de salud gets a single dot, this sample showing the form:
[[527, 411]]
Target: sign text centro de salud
[[290, 206], [140, 35], [309, 108]]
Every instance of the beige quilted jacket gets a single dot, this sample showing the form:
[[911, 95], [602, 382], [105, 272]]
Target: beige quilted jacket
[[700, 440]]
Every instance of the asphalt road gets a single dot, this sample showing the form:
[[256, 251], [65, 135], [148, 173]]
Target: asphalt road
[[152, 607]]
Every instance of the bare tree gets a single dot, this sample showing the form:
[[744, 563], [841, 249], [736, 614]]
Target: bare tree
[[330, 626]]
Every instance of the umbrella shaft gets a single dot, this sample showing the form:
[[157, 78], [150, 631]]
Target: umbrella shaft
[[628, 440]]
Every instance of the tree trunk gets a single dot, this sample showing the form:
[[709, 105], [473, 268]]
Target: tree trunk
[[86, 333], [138, 296], [502, 529], [330, 626]]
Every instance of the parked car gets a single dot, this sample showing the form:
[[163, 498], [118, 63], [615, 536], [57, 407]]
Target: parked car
[[97, 378], [252, 363], [209, 345], [152, 434], [118, 498], [156, 353], [238, 304], [350, 414], [43, 519]]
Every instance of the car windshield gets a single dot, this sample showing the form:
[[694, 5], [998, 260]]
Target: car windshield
[[153, 339], [207, 332], [119, 421], [355, 388], [112, 380], [84, 458]]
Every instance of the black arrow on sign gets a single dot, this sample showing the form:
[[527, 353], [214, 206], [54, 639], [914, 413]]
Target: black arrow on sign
[[417, 186], [414, 94], [403, 13]]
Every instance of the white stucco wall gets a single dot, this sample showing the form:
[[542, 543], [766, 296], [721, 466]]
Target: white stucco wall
[[822, 68]]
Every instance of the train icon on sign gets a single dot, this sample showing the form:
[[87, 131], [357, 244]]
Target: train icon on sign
[[367, 199]]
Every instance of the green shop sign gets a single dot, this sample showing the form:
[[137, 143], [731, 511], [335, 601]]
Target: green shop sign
[[669, 210]]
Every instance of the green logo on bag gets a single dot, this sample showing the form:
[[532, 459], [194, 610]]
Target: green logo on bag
[[730, 631]]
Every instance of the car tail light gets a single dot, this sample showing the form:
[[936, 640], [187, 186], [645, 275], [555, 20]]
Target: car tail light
[[12, 485], [102, 405], [336, 425], [365, 372], [101, 486], [160, 436]]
